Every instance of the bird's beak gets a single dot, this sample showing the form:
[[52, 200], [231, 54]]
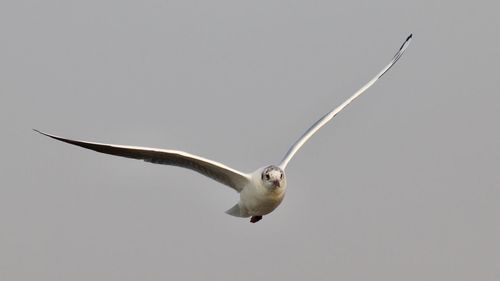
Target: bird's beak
[[276, 183]]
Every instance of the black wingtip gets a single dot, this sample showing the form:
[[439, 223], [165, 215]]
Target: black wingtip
[[398, 54], [45, 134], [406, 41]]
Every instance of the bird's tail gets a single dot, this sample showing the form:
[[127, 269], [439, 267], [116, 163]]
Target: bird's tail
[[236, 211]]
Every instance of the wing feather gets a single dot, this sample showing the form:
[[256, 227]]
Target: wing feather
[[214, 170], [327, 117]]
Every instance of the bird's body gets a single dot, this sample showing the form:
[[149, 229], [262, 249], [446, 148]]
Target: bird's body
[[262, 191], [258, 200]]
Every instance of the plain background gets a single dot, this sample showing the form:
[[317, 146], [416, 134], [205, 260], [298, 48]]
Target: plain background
[[402, 185]]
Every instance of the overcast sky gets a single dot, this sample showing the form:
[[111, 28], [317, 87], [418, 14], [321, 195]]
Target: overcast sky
[[404, 184]]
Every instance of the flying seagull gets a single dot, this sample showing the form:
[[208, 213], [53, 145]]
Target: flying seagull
[[260, 191]]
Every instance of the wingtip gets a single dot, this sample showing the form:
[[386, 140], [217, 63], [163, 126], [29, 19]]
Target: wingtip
[[407, 41], [42, 133]]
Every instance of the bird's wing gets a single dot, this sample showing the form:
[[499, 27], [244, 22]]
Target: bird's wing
[[217, 171], [327, 117]]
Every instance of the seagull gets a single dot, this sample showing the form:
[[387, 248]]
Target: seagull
[[261, 191]]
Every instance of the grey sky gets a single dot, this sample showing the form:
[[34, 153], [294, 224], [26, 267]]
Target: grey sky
[[402, 185]]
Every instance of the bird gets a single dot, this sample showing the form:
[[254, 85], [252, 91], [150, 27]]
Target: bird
[[261, 191]]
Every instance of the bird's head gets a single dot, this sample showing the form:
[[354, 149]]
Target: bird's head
[[273, 177]]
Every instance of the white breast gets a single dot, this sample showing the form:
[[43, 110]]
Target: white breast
[[256, 200]]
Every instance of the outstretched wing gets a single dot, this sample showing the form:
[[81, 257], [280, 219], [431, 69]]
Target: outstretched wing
[[217, 171], [327, 117]]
